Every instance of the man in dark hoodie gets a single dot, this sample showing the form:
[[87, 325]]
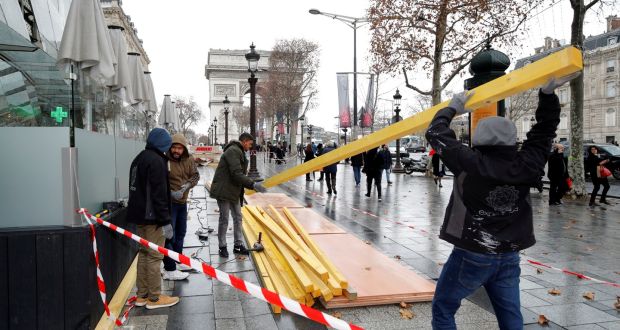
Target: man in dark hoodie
[[183, 177], [149, 209], [227, 187], [489, 216]]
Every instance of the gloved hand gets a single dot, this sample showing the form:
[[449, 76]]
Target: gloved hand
[[554, 83], [458, 102], [185, 186], [177, 194], [168, 231], [258, 187]]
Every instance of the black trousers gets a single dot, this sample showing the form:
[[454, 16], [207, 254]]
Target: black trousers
[[377, 178], [597, 182], [331, 181], [557, 189]]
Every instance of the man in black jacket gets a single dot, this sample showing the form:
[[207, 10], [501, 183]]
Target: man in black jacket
[[149, 209], [489, 216], [557, 172]]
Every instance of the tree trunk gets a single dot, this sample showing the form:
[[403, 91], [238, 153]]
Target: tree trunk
[[575, 165], [439, 42]]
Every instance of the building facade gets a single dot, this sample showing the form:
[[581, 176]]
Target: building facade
[[601, 74]]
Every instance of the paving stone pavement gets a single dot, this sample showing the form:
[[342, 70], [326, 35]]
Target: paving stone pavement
[[406, 223]]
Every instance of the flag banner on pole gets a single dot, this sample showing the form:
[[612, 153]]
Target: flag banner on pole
[[368, 111], [343, 100]]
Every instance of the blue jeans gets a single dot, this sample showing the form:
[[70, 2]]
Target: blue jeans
[[387, 174], [357, 174], [179, 224], [465, 272]]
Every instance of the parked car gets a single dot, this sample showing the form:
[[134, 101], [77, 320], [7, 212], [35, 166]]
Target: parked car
[[392, 147]]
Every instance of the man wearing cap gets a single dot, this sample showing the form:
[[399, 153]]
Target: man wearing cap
[[149, 209], [489, 216], [183, 177], [227, 188]]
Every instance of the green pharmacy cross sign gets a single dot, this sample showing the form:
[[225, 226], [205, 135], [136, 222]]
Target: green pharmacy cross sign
[[59, 114]]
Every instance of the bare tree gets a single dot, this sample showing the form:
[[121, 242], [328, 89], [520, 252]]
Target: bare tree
[[241, 118], [575, 161], [291, 87], [521, 104], [440, 37], [189, 112]]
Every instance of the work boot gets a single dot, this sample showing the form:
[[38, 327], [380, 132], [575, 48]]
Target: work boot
[[223, 252], [140, 302], [240, 249], [174, 275], [162, 301]]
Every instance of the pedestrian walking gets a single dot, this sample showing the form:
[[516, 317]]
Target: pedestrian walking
[[227, 187], [331, 170], [373, 163], [357, 162], [594, 163], [557, 173], [439, 169], [489, 216], [308, 156], [387, 162], [149, 208], [183, 177], [279, 154], [319, 152]]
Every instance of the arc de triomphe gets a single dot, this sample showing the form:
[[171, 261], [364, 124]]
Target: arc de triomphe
[[227, 72]]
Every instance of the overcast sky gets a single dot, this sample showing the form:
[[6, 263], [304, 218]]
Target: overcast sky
[[177, 36]]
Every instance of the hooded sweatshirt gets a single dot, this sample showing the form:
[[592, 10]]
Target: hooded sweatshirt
[[149, 189], [182, 170], [490, 209]]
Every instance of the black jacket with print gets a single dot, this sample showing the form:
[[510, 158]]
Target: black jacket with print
[[490, 209]]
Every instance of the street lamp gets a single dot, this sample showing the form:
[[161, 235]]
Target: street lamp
[[398, 167], [301, 121], [252, 57], [215, 129], [211, 134], [226, 107], [351, 22]]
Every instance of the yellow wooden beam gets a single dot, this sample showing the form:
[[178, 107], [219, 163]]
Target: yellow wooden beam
[[276, 266], [117, 303], [316, 266], [333, 271], [559, 64]]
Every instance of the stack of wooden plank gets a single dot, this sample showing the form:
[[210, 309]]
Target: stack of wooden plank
[[291, 263]]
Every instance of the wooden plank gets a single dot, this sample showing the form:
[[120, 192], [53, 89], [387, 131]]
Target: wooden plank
[[325, 292], [301, 276], [316, 266], [350, 293], [117, 303], [266, 199], [329, 264], [276, 266], [559, 64], [315, 223], [364, 267], [50, 282]]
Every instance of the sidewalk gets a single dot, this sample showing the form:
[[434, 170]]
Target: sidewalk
[[406, 225]]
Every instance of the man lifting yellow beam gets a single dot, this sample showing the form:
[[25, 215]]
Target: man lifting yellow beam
[[559, 64]]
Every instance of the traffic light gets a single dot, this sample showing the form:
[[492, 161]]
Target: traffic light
[[309, 129]]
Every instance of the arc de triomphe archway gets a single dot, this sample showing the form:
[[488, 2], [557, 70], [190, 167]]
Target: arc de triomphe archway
[[227, 72]]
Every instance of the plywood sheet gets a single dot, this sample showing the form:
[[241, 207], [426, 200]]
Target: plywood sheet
[[276, 199], [314, 223], [377, 278]]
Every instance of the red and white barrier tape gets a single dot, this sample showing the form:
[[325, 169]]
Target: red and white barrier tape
[[131, 302], [569, 272], [237, 283]]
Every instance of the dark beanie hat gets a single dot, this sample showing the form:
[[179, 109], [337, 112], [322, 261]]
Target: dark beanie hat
[[159, 139]]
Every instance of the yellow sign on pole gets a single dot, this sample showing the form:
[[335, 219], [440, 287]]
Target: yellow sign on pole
[[559, 64]]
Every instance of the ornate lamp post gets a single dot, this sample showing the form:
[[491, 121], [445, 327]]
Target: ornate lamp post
[[252, 57], [398, 167], [226, 107], [215, 129], [210, 134]]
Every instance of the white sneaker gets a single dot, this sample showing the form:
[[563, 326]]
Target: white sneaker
[[184, 268], [174, 275]]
